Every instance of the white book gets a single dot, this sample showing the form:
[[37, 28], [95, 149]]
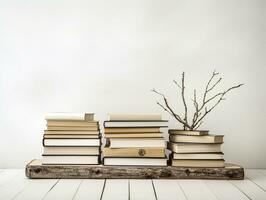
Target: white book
[[69, 116], [70, 160], [71, 142], [71, 150], [198, 156], [137, 142], [136, 161], [143, 117]]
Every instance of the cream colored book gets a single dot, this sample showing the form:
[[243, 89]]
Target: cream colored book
[[135, 161], [72, 128], [134, 152], [193, 147], [68, 132], [133, 117], [137, 142], [71, 142], [132, 130], [134, 135], [198, 156], [69, 136], [70, 160], [196, 139], [69, 116], [71, 150], [72, 123], [188, 132], [198, 163]]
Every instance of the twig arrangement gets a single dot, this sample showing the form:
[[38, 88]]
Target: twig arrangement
[[201, 109]]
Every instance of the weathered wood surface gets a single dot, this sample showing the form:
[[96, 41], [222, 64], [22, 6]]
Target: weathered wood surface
[[35, 170]]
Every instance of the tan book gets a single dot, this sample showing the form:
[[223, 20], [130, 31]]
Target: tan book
[[133, 117], [69, 136], [134, 135], [71, 123], [196, 138], [69, 116], [193, 147], [198, 163], [67, 132], [187, 132], [72, 128], [132, 130], [134, 152]]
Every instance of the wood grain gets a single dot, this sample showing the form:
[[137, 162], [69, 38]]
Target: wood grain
[[35, 170]]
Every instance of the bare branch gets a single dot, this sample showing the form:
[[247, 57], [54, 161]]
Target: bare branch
[[177, 84], [215, 84], [221, 94], [183, 97], [169, 109]]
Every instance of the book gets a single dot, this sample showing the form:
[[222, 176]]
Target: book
[[134, 135], [68, 132], [196, 138], [71, 150], [198, 156], [127, 117], [72, 128], [188, 132], [133, 152], [70, 160], [135, 142], [198, 163], [193, 147], [132, 130], [70, 116], [71, 142], [135, 161], [69, 136], [115, 124], [71, 123]]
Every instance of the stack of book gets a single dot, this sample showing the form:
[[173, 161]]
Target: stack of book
[[134, 140], [71, 138], [195, 149]]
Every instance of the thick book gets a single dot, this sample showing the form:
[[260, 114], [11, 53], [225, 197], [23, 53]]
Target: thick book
[[70, 116], [133, 152], [159, 123], [134, 135], [70, 160], [198, 156], [196, 138], [68, 132], [198, 163], [72, 123], [143, 117], [135, 161], [132, 130], [69, 136], [72, 128], [71, 142], [188, 132], [193, 147], [136, 142], [71, 150]]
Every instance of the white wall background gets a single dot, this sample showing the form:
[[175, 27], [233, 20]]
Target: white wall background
[[105, 56]]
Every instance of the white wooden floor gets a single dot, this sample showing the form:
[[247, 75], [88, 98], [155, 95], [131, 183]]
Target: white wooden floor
[[14, 185]]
